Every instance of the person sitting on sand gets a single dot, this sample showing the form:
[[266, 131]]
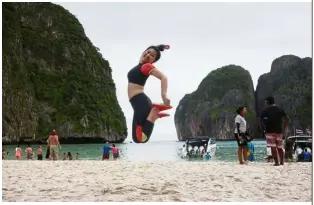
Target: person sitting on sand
[[64, 156], [29, 152], [53, 143], [106, 151], [18, 152], [115, 151], [3, 154], [39, 153], [69, 156]]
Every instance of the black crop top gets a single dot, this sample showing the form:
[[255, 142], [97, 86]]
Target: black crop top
[[140, 73]]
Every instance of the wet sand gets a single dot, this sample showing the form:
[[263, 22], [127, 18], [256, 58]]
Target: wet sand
[[154, 181]]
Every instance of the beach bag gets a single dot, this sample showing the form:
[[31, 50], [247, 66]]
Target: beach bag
[[248, 136]]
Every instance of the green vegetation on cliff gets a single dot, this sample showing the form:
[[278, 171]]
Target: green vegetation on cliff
[[210, 110], [53, 77], [219, 81], [290, 82]]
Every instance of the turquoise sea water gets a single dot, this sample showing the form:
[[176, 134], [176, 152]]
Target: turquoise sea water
[[166, 150]]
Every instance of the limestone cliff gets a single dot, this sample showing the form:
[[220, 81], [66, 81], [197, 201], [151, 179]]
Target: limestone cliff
[[210, 110], [290, 82], [54, 78]]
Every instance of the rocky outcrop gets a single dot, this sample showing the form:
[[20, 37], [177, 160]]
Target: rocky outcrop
[[54, 78], [290, 82], [210, 110]]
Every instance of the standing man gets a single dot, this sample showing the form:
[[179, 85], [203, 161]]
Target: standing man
[[272, 118], [106, 151], [54, 145]]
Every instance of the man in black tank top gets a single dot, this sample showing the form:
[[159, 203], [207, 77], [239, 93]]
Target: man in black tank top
[[271, 120]]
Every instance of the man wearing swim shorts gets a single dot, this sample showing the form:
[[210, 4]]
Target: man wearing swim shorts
[[54, 145], [272, 117]]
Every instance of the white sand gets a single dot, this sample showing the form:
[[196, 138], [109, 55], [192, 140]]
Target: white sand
[[154, 181]]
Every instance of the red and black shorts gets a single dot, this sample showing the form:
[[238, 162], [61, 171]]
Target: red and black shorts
[[274, 140]]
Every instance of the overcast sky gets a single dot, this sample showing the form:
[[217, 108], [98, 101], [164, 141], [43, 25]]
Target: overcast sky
[[202, 36]]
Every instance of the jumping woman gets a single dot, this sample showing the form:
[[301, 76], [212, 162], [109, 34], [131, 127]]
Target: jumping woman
[[145, 112]]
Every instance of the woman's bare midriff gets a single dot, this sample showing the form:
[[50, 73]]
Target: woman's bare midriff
[[134, 89]]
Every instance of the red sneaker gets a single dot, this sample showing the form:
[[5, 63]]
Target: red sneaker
[[140, 135], [161, 115], [161, 107]]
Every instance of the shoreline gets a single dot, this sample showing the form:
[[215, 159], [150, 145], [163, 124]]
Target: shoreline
[[68, 140], [81, 180], [92, 141]]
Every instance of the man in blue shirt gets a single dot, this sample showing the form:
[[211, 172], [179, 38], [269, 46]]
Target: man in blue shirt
[[207, 156], [106, 151]]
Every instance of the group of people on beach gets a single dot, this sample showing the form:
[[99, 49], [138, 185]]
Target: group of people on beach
[[53, 147], [52, 153], [30, 154], [273, 121]]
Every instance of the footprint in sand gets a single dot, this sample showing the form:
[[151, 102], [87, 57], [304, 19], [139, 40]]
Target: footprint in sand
[[218, 185], [238, 180], [176, 199], [152, 189], [269, 196], [105, 190], [169, 192]]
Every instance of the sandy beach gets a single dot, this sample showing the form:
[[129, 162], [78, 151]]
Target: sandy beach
[[154, 181]]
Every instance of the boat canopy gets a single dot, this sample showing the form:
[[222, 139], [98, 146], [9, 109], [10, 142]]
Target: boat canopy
[[301, 138]]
